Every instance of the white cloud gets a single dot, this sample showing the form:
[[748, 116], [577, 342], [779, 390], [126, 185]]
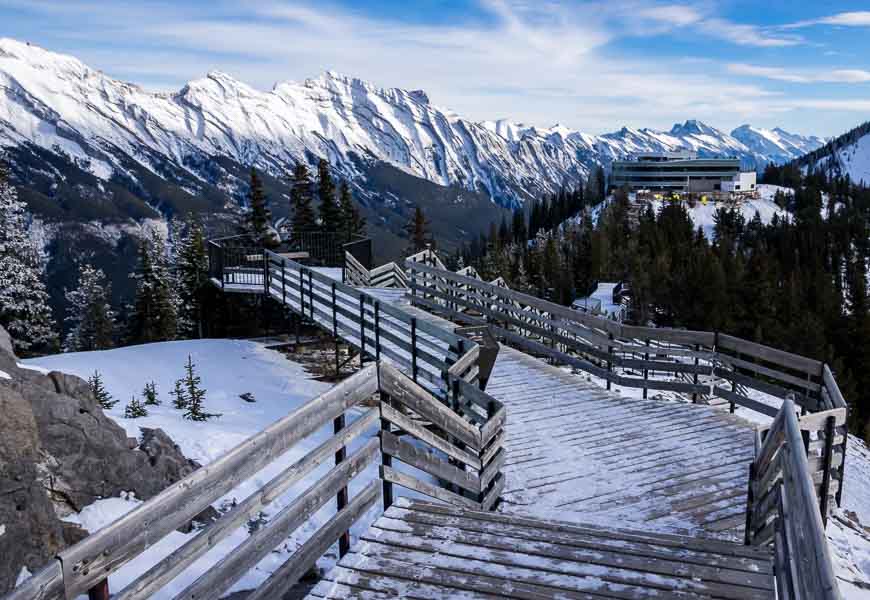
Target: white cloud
[[859, 18], [781, 74], [679, 15], [747, 35]]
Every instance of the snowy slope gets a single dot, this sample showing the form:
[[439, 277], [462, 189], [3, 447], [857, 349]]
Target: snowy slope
[[60, 104], [775, 145]]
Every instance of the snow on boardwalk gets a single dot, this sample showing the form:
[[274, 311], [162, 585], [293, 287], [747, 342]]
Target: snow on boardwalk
[[422, 550], [579, 453]]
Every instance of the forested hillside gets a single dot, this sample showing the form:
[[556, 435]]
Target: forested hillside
[[797, 283]]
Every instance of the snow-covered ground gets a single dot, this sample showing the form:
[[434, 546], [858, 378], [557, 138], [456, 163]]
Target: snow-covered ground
[[228, 368]]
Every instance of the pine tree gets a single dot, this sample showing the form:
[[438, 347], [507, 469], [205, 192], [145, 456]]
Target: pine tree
[[179, 395], [154, 307], [191, 272], [418, 232], [331, 217], [89, 313], [150, 394], [99, 391], [259, 217], [24, 310], [354, 223], [135, 409], [195, 394], [300, 201]]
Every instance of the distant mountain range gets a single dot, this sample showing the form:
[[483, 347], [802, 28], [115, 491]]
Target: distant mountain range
[[86, 146]]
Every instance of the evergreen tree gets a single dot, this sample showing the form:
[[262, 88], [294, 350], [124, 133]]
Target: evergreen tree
[[102, 396], [135, 409], [259, 217], [331, 217], [303, 218], [354, 223], [154, 307], [418, 232], [150, 394], [89, 313], [195, 394], [179, 395], [191, 274], [24, 310]]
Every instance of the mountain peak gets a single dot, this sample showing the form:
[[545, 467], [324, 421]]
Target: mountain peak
[[692, 127]]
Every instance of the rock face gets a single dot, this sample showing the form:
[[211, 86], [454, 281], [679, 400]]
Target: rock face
[[59, 453]]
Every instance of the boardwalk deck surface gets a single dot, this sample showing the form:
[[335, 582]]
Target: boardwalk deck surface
[[578, 453], [423, 550]]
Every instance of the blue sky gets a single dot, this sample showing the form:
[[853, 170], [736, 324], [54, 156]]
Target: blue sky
[[590, 65]]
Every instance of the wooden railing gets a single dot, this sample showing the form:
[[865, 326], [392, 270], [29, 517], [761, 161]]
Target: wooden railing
[[784, 508], [88, 564], [640, 357], [389, 275]]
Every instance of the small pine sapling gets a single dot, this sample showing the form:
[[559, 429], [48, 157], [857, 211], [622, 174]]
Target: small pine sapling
[[99, 391], [179, 395], [135, 409], [150, 394], [195, 394]]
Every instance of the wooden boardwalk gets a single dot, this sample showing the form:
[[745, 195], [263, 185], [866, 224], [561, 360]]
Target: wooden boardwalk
[[578, 453], [423, 550]]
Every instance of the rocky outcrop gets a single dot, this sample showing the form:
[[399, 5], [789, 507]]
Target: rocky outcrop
[[59, 453]]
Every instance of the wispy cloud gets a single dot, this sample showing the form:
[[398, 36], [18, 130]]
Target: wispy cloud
[[860, 18], [791, 76]]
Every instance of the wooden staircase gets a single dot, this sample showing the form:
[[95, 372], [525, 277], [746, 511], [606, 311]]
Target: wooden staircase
[[422, 550]]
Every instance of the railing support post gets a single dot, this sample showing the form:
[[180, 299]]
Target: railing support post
[[100, 591], [827, 458], [609, 360], [378, 331], [646, 370], [335, 331], [386, 459], [283, 284], [695, 376], [341, 498], [414, 348], [750, 501], [362, 330]]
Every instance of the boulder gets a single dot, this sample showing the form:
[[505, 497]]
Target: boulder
[[60, 453]]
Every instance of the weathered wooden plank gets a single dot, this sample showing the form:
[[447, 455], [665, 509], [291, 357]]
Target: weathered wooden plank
[[771, 355], [768, 372], [412, 483], [289, 573], [92, 559], [424, 435], [167, 569], [817, 421], [742, 400], [832, 388], [493, 426], [425, 461], [214, 582], [465, 362], [403, 390]]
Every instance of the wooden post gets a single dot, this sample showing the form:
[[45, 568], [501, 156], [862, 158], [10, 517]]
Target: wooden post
[[695, 376], [609, 360], [362, 330], [265, 273], [301, 294], [750, 501], [310, 296], [414, 348], [843, 465], [827, 458], [378, 331], [100, 591], [341, 498], [645, 370], [335, 331], [283, 285], [386, 459]]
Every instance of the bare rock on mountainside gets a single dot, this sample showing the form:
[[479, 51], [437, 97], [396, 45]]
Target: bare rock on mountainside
[[59, 453]]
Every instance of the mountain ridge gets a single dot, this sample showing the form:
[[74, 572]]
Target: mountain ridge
[[115, 130]]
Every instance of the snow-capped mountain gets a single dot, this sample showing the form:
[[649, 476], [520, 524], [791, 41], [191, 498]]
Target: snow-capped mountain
[[775, 145], [198, 138]]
